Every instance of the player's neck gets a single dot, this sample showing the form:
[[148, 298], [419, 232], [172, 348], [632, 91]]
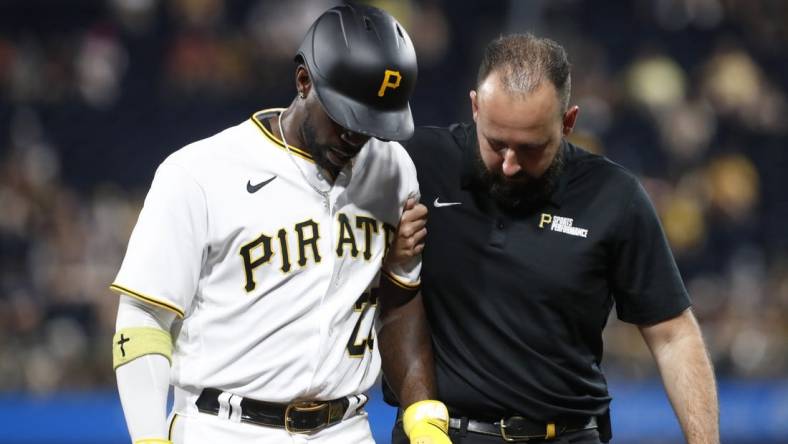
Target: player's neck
[[290, 125]]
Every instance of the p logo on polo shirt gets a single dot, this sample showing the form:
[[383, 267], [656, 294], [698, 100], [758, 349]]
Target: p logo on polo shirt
[[387, 81], [562, 225], [545, 219]]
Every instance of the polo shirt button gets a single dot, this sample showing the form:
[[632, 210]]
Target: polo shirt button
[[500, 225]]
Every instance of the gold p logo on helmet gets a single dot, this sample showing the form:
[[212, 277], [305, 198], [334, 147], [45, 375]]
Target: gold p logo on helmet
[[387, 82]]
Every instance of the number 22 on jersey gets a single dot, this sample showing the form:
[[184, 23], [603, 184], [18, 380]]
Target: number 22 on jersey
[[362, 337]]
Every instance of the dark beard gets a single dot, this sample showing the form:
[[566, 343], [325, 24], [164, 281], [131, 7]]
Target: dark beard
[[523, 192], [319, 151]]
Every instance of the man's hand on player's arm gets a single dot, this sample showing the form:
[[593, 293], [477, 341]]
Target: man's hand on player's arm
[[411, 232]]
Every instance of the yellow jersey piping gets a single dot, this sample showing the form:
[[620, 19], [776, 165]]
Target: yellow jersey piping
[[172, 426], [148, 299], [278, 142], [398, 282]]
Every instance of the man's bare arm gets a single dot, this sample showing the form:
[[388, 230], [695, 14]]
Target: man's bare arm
[[687, 374]]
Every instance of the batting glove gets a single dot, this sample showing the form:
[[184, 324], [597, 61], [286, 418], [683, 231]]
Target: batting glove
[[427, 422]]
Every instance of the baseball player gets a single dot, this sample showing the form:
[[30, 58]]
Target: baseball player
[[253, 276]]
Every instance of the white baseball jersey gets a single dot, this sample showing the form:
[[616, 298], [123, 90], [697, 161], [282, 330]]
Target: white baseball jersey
[[270, 279]]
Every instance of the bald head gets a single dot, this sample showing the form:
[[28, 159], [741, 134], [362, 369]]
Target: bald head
[[523, 61]]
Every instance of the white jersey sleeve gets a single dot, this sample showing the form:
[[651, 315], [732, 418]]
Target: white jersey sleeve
[[165, 253]]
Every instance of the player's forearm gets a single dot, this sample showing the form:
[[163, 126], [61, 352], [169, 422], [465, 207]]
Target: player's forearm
[[141, 352], [688, 377], [143, 385], [405, 348]]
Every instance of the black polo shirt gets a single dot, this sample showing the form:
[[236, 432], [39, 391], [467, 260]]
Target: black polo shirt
[[517, 302]]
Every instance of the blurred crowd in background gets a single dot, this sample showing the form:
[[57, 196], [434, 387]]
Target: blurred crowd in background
[[688, 94]]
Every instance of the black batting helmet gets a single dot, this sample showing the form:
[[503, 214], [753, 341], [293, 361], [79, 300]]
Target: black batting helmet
[[363, 69]]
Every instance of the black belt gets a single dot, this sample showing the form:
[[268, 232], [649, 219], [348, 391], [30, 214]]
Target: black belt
[[296, 417], [518, 428]]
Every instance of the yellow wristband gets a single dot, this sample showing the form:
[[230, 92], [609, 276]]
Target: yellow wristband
[[153, 441], [131, 343], [434, 412]]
